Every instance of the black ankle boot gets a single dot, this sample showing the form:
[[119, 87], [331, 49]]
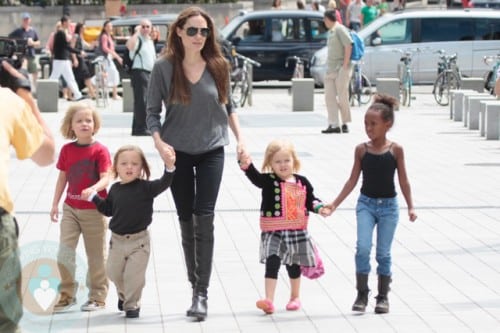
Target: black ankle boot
[[362, 298], [199, 308], [382, 305]]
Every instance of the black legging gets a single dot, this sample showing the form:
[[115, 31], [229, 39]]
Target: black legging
[[273, 264], [196, 182]]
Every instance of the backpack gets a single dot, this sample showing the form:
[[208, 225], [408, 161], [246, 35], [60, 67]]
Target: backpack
[[358, 46], [127, 61]]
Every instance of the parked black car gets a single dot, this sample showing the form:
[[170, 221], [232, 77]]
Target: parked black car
[[271, 36]]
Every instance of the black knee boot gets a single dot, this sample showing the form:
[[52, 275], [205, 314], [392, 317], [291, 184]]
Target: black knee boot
[[362, 299], [188, 247], [204, 249], [382, 305]]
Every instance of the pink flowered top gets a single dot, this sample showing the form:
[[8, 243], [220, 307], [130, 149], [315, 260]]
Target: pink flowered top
[[285, 205]]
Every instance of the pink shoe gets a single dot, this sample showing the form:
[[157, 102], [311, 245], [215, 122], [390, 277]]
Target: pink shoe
[[293, 305], [265, 305]]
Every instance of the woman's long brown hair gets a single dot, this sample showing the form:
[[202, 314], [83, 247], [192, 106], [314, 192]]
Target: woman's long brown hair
[[217, 65]]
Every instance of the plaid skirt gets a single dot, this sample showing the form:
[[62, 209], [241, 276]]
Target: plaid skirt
[[292, 246]]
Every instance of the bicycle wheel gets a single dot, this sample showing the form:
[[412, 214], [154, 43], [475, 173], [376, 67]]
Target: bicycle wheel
[[366, 90], [245, 87], [439, 88], [405, 90], [239, 89], [445, 82], [351, 90], [355, 89]]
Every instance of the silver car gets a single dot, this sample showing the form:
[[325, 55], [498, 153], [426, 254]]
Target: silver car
[[472, 34]]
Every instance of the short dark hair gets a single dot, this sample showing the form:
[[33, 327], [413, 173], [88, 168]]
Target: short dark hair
[[331, 14], [64, 18]]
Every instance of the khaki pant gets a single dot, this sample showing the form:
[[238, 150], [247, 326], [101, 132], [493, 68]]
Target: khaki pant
[[337, 96], [11, 308], [92, 226], [127, 262]]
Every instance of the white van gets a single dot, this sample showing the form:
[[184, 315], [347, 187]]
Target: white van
[[472, 34]]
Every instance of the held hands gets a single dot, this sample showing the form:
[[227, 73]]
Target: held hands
[[86, 193], [168, 156], [325, 211], [244, 160], [166, 151]]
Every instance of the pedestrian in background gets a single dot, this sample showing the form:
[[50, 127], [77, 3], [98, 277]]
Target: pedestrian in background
[[28, 34], [338, 74], [276, 4], [81, 71], [22, 128], [377, 206], [192, 81], [353, 15], [368, 13], [107, 49], [284, 236], [130, 203], [83, 168], [142, 51], [63, 60]]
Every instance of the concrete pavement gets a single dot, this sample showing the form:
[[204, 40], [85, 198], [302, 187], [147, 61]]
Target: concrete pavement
[[446, 265]]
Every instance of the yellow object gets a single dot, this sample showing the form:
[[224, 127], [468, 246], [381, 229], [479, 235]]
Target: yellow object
[[90, 34]]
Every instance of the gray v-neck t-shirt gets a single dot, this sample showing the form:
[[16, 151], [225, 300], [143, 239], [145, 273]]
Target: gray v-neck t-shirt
[[196, 128]]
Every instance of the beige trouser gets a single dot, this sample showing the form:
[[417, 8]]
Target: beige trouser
[[92, 226], [337, 96], [127, 262]]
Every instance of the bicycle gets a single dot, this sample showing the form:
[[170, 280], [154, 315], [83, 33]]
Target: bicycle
[[491, 76], [101, 81], [300, 63], [449, 77], [360, 87], [240, 77], [405, 76]]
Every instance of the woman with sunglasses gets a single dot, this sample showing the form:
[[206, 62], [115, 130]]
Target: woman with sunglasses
[[192, 80]]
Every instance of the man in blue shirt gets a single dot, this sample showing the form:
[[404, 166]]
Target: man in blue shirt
[[27, 34]]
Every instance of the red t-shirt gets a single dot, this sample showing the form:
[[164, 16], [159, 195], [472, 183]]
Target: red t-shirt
[[83, 165]]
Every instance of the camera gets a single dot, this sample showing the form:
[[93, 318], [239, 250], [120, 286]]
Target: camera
[[13, 51]]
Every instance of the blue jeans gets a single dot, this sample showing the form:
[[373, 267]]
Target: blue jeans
[[371, 212], [196, 182]]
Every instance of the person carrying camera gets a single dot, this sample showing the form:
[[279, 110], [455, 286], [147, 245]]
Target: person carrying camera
[[28, 33], [23, 128]]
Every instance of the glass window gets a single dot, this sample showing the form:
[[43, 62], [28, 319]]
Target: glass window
[[396, 32], [279, 30], [487, 29], [318, 30], [447, 29], [251, 31]]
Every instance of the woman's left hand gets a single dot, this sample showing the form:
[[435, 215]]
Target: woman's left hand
[[241, 151]]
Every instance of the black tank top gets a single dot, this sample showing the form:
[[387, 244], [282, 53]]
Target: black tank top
[[378, 174]]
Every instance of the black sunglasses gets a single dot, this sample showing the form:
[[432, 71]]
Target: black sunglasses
[[192, 31], [146, 26]]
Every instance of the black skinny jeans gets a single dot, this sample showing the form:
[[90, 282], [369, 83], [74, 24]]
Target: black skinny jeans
[[196, 182]]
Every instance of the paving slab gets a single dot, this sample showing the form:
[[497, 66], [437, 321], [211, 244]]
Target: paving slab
[[446, 264]]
